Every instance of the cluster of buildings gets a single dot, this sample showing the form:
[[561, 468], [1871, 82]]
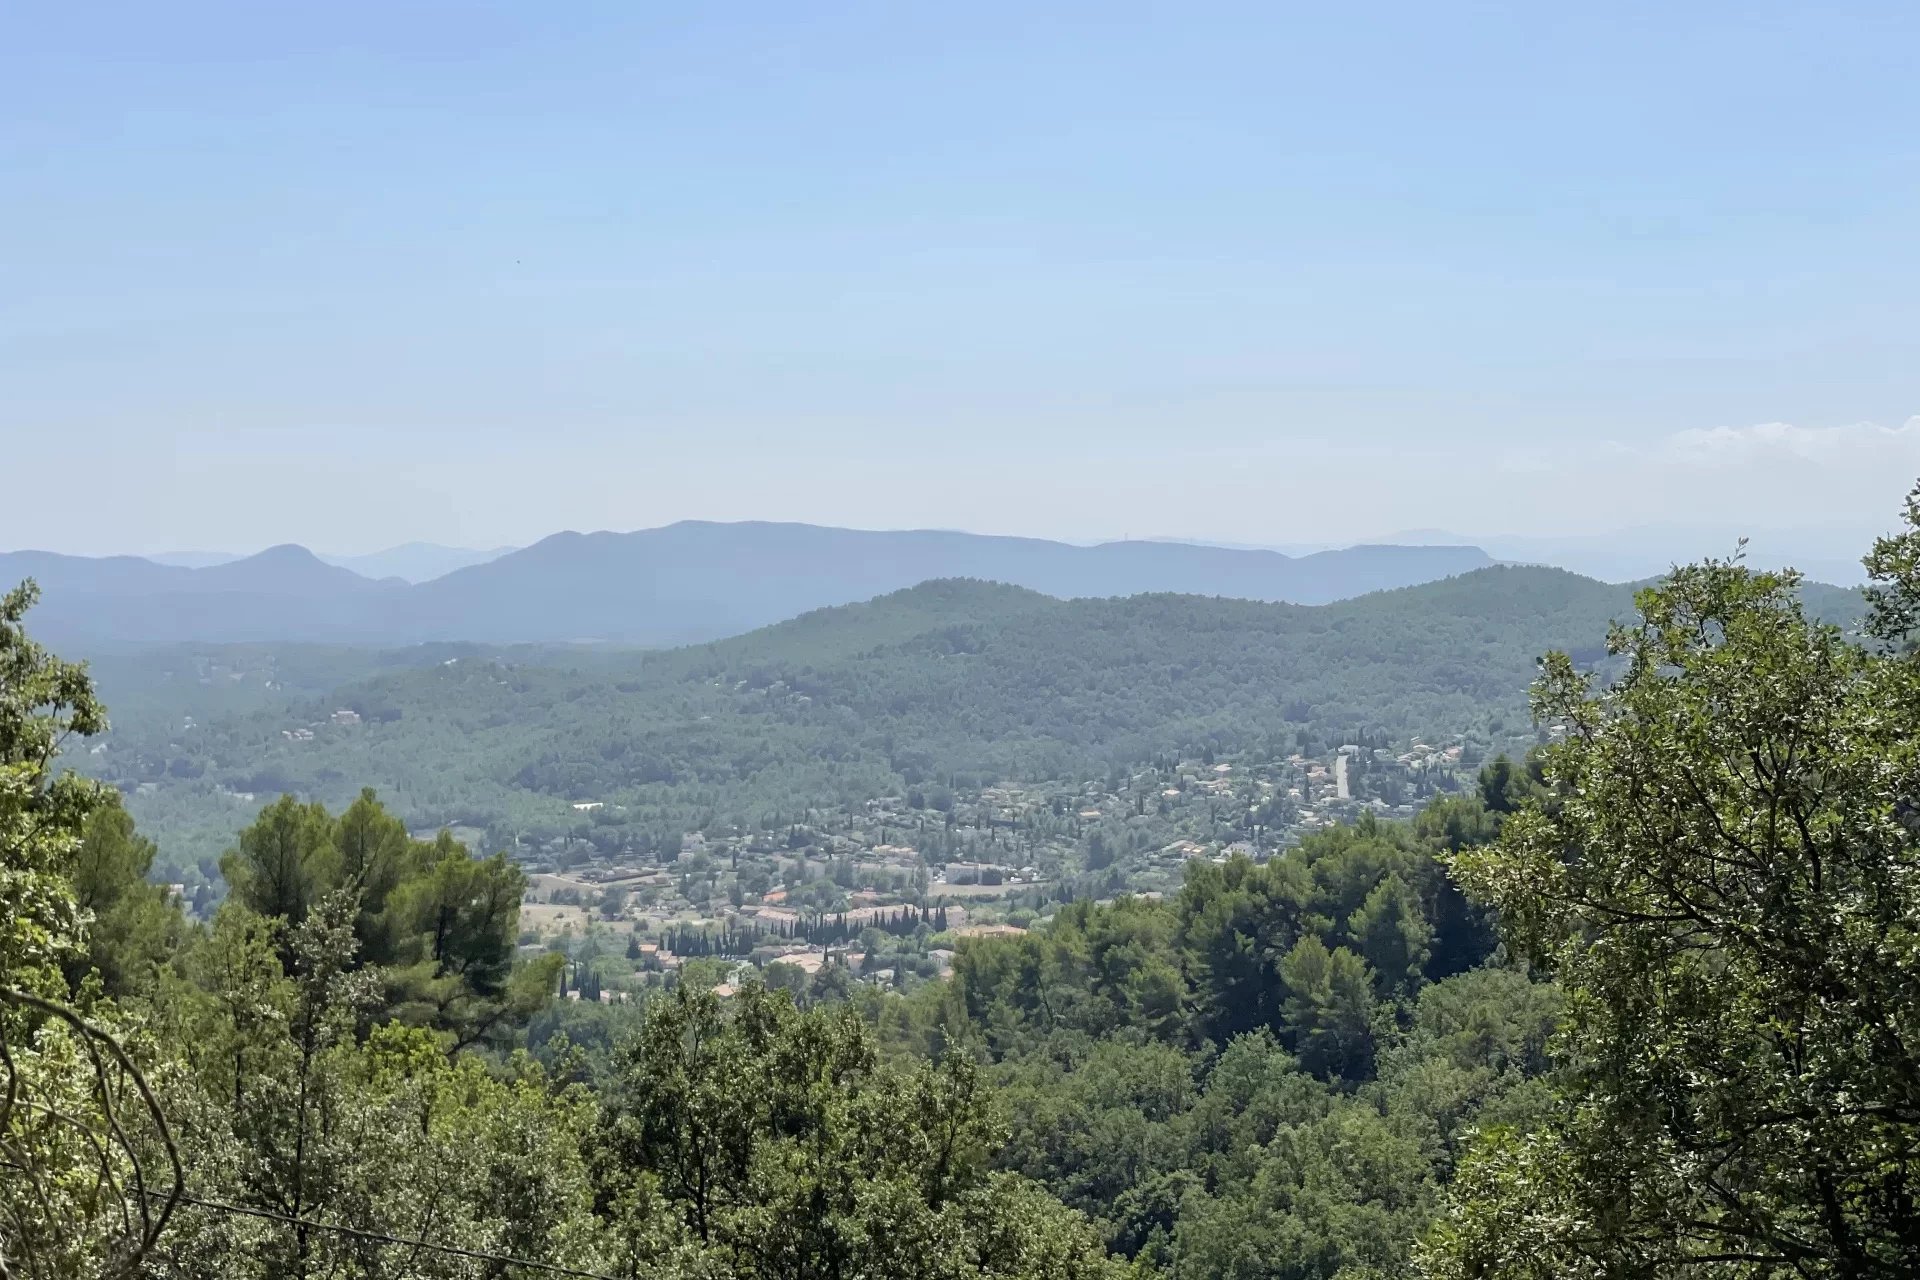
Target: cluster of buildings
[[882, 892]]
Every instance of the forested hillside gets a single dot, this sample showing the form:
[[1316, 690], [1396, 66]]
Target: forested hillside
[[955, 683], [1644, 1006]]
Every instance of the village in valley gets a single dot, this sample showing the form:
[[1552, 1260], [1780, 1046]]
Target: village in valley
[[882, 893]]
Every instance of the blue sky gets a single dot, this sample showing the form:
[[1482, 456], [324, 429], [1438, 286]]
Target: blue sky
[[350, 274]]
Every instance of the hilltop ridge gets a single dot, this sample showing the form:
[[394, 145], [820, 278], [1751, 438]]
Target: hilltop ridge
[[681, 583], [952, 679]]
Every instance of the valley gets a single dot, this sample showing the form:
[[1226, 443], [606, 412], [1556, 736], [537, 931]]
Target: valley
[[952, 642], [561, 756], [959, 745]]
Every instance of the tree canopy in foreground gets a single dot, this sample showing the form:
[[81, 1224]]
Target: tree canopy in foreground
[[1724, 883], [1644, 1006]]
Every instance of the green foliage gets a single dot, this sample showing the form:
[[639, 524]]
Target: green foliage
[[1392, 933], [283, 863], [1222, 1080], [759, 1141], [310, 1042], [1328, 1007], [1241, 1162], [43, 702], [1303, 946], [1724, 884], [287, 1110], [947, 683], [1321, 1065], [132, 929], [74, 1124], [438, 925]]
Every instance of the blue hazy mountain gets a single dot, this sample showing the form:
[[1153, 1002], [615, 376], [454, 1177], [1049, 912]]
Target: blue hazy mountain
[[683, 582], [410, 561], [415, 561]]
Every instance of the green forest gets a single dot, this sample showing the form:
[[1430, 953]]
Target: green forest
[[956, 683], [1643, 1002]]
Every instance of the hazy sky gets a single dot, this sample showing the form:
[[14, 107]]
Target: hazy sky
[[354, 273]]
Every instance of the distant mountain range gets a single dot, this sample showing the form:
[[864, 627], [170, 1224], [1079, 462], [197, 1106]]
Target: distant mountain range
[[685, 582], [410, 561]]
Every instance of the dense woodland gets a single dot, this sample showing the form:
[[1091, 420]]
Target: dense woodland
[[955, 683], [1643, 1004]]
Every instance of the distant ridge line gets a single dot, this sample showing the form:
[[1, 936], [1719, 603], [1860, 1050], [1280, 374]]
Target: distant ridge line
[[691, 580]]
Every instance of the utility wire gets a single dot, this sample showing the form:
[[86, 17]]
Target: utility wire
[[381, 1237]]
